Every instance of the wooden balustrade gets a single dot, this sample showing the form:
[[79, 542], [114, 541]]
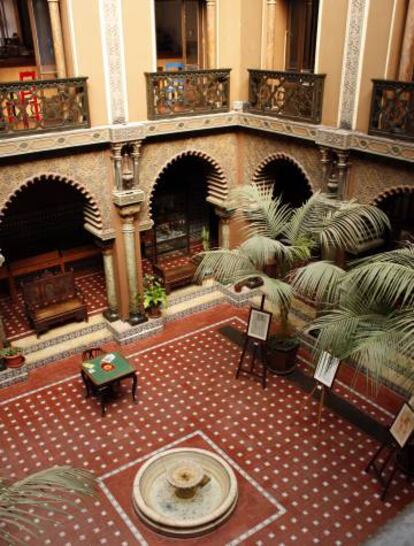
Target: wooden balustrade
[[292, 95], [43, 105], [392, 109], [187, 92]]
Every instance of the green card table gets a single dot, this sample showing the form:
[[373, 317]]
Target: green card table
[[99, 376]]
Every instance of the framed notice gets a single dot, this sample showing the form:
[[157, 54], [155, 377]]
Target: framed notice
[[403, 425], [326, 369], [259, 324]]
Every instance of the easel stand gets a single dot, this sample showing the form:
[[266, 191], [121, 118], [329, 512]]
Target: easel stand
[[319, 387], [258, 346], [394, 455]]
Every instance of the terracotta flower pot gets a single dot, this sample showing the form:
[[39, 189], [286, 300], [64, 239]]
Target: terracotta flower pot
[[14, 361], [154, 311]]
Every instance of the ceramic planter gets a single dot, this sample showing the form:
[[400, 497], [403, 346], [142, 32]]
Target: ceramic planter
[[14, 361], [281, 357], [154, 311]]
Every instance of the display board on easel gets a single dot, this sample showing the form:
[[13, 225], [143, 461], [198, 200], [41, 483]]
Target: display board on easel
[[401, 434], [324, 375], [257, 334]]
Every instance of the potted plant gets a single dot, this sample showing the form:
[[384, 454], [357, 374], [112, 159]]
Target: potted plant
[[13, 356], [21, 501], [154, 296], [368, 314], [285, 238]]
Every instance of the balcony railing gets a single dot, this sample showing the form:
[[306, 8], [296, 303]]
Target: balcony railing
[[43, 105], [292, 95], [392, 109], [187, 92]]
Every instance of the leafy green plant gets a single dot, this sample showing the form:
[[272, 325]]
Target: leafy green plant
[[11, 351], [154, 294], [288, 237], [44, 491], [369, 312]]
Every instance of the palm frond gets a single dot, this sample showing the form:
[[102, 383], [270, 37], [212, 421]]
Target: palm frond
[[43, 490], [306, 221], [265, 215], [278, 292], [392, 283], [263, 250], [318, 281], [227, 266], [351, 225]]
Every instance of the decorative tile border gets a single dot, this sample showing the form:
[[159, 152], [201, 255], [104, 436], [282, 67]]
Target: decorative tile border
[[320, 135], [280, 509], [11, 376], [352, 61], [64, 337]]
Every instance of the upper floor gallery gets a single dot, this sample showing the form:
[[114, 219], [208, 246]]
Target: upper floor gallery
[[69, 64]]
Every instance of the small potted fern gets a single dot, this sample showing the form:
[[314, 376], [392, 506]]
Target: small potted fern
[[154, 296], [13, 356]]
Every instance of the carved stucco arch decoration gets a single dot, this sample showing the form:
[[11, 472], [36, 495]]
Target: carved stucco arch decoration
[[92, 213], [217, 184], [258, 174], [391, 192]]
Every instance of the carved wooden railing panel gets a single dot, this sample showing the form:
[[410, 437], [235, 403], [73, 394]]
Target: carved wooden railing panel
[[392, 109], [43, 105], [187, 92], [292, 95]]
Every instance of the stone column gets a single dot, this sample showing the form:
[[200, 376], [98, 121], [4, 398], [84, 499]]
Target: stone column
[[224, 227], [128, 230], [325, 164], [270, 33], [117, 159], [58, 48], [342, 169], [111, 313], [135, 160], [211, 33], [405, 72]]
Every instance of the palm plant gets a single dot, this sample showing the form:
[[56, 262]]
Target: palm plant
[[44, 491], [274, 232], [371, 315]]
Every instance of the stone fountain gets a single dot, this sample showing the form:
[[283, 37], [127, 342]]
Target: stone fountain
[[185, 492]]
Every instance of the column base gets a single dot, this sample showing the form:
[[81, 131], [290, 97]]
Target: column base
[[111, 314], [137, 318]]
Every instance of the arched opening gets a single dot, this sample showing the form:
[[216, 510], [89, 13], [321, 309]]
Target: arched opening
[[398, 204], [184, 221], [44, 216], [42, 228], [287, 178]]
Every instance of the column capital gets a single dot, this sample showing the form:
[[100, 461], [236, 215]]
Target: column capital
[[128, 214], [224, 213]]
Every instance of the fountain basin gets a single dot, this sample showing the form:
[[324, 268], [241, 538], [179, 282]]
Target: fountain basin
[[161, 506]]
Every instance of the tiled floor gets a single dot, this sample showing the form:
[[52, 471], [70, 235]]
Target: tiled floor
[[296, 486]]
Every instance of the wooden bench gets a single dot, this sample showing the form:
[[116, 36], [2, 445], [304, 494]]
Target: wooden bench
[[172, 277], [53, 299], [31, 265]]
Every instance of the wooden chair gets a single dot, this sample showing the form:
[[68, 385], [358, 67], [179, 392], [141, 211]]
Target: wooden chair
[[104, 393], [92, 352]]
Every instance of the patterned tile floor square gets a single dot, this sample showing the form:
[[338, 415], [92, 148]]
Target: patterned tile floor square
[[188, 393]]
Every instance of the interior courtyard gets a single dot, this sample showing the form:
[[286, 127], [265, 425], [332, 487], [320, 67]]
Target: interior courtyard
[[207, 272]]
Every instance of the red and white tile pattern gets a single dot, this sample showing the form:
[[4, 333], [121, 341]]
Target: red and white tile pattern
[[188, 394]]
